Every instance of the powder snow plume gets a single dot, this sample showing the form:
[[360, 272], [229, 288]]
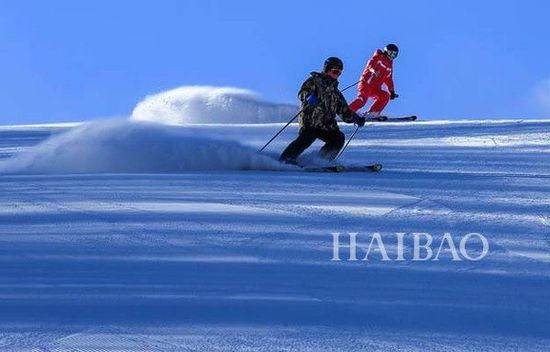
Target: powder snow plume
[[205, 104], [119, 146]]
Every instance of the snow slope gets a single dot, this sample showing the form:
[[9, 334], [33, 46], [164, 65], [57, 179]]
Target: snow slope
[[158, 258]]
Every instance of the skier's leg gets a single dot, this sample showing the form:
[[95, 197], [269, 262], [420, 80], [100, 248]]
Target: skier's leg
[[381, 99], [358, 103], [334, 141], [361, 100], [305, 138]]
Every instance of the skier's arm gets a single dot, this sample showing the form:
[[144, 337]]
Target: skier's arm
[[372, 69], [343, 109], [368, 71], [308, 88], [389, 82]]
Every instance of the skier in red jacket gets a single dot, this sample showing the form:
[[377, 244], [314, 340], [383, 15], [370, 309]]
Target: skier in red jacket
[[379, 71]]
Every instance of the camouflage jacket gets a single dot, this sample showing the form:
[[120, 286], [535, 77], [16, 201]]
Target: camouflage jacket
[[331, 102]]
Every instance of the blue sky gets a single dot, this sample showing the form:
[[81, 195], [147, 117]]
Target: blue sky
[[78, 60]]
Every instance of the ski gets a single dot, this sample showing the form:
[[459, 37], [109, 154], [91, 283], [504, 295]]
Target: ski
[[342, 168], [401, 119], [391, 119], [376, 119]]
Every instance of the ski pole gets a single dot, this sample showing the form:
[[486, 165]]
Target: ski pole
[[351, 85], [281, 130], [294, 118], [347, 143]]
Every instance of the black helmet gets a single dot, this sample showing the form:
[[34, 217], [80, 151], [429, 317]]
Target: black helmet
[[333, 62], [391, 50]]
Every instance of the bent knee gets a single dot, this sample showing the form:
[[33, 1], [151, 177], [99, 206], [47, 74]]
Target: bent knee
[[384, 96]]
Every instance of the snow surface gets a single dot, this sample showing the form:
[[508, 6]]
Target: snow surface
[[205, 104], [164, 245]]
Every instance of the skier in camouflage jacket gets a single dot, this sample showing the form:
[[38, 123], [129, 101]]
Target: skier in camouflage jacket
[[321, 103]]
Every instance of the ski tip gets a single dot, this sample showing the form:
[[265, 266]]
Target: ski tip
[[376, 167]]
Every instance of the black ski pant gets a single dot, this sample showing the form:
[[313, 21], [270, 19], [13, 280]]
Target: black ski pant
[[334, 141]]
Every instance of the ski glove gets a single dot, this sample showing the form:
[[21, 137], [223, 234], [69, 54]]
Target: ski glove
[[358, 120], [312, 100], [393, 95]]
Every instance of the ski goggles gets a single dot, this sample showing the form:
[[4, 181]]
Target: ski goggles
[[336, 71], [392, 54]]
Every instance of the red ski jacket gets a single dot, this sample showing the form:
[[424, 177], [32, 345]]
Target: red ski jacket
[[379, 70]]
